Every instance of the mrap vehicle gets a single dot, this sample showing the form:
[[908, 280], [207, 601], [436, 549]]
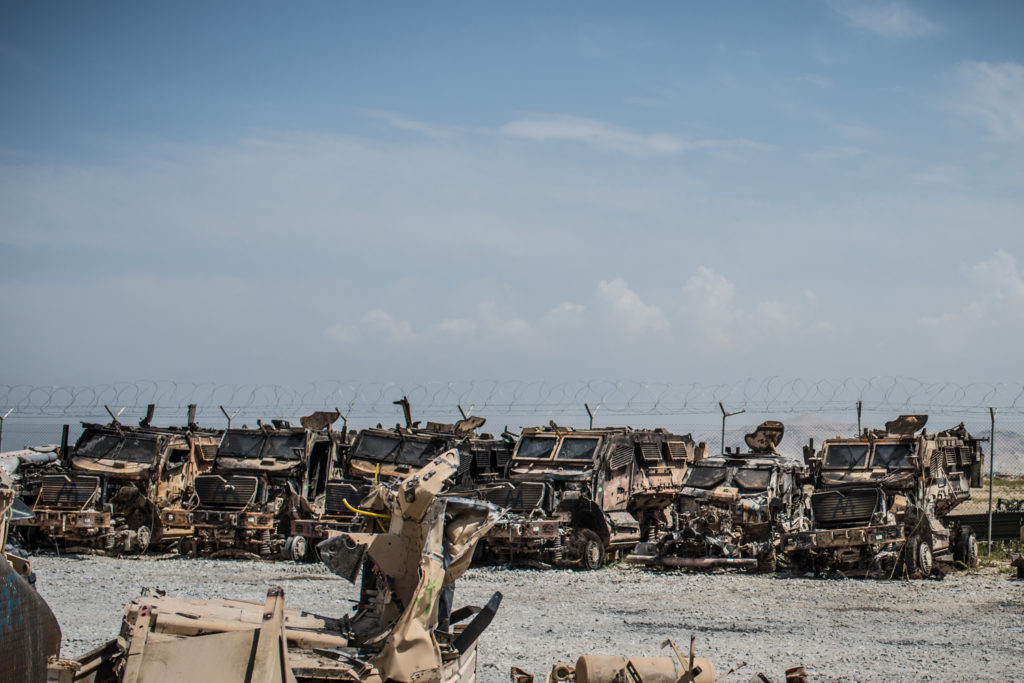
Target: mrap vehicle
[[881, 500], [569, 494], [732, 509]]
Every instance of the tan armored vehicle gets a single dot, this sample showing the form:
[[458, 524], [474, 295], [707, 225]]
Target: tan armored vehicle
[[379, 454], [402, 630], [881, 500], [262, 479], [573, 496], [115, 481], [732, 509]]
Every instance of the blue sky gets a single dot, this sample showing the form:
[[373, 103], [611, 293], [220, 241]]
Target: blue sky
[[681, 191]]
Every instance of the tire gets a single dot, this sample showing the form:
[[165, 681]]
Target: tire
[[294, 548], [967, 547], [925, 561], [592, 553], [910, 555], [143, 536]]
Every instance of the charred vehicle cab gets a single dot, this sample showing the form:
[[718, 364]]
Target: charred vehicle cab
[[116, 480], [379, 454], [262, 479], [881, 500], [573, 496], [732, 509]]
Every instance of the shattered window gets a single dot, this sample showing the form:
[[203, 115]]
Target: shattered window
[[421, 452], [753, 480], [892, 455], [241, 445], [285, 446], [535, 447], [577, 449], [375, 447], [136, 449], [704, 477], [846, 456], [96, 445]]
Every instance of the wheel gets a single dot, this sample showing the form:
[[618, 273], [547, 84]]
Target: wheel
[[967, 547], [591, 550], [185, 547], [294, 548], [925, 562], [910, 555], [142, 539], [767, 563]]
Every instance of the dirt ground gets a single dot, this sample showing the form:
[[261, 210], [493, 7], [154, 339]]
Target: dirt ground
[[966, 627]]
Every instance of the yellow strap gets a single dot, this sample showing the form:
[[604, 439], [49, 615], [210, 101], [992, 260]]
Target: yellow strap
[[363, 512]]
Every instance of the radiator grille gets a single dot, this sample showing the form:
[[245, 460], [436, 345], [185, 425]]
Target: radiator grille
[[845, 508], [68, 493], [503, 455], [622, 456], [340, 491], [232, 493], [209, 451], [523, 498], [483, 459]]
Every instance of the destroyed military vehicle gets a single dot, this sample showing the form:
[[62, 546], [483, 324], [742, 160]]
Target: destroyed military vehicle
[[881, 500], [573, 496], [115, 481], [403, 627], [379, 454], [261, 480], [732, 509]]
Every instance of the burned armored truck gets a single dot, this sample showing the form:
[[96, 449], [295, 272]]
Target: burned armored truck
[[732, 509], [881, 500], [115, 481], [403, 628], [379, 454], [262, 479], [571, 495]]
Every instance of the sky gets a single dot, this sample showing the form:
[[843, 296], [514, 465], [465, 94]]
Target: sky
[[687, 192]]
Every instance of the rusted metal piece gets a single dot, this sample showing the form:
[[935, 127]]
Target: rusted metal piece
[[731, 509], [622, 669], [1018, 562], [29, 633], [879, 502], [402, 630]]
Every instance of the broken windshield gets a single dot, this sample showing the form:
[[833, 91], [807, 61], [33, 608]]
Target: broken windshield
[[577, 449], [255, 445], [705, 477], [753, 480], [130, 448], [241, 445], [846, 456], [535, 447], [375, 447], [285, 446], [892, 455]]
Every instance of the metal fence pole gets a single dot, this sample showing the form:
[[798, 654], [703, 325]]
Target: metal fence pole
[[2, 418], [991, 472]]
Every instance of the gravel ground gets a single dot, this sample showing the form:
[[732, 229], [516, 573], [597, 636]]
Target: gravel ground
[[966, 627]]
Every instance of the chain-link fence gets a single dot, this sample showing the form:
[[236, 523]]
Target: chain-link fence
[[809, 409]]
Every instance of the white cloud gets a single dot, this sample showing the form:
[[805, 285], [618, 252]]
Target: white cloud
[[396, 120], [605, 136], [626, 311], [993, 95], [382, 324], [996, 302], [709, 299], [827, 155], [888, 19]]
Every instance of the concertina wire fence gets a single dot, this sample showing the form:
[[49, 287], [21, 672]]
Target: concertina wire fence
[[809, 409]]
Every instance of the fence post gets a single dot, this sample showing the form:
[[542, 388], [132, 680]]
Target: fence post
[[2, 418], [991, 471]]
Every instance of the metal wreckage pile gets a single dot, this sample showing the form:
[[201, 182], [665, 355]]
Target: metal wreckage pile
[[876, 504], [402, 629]]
